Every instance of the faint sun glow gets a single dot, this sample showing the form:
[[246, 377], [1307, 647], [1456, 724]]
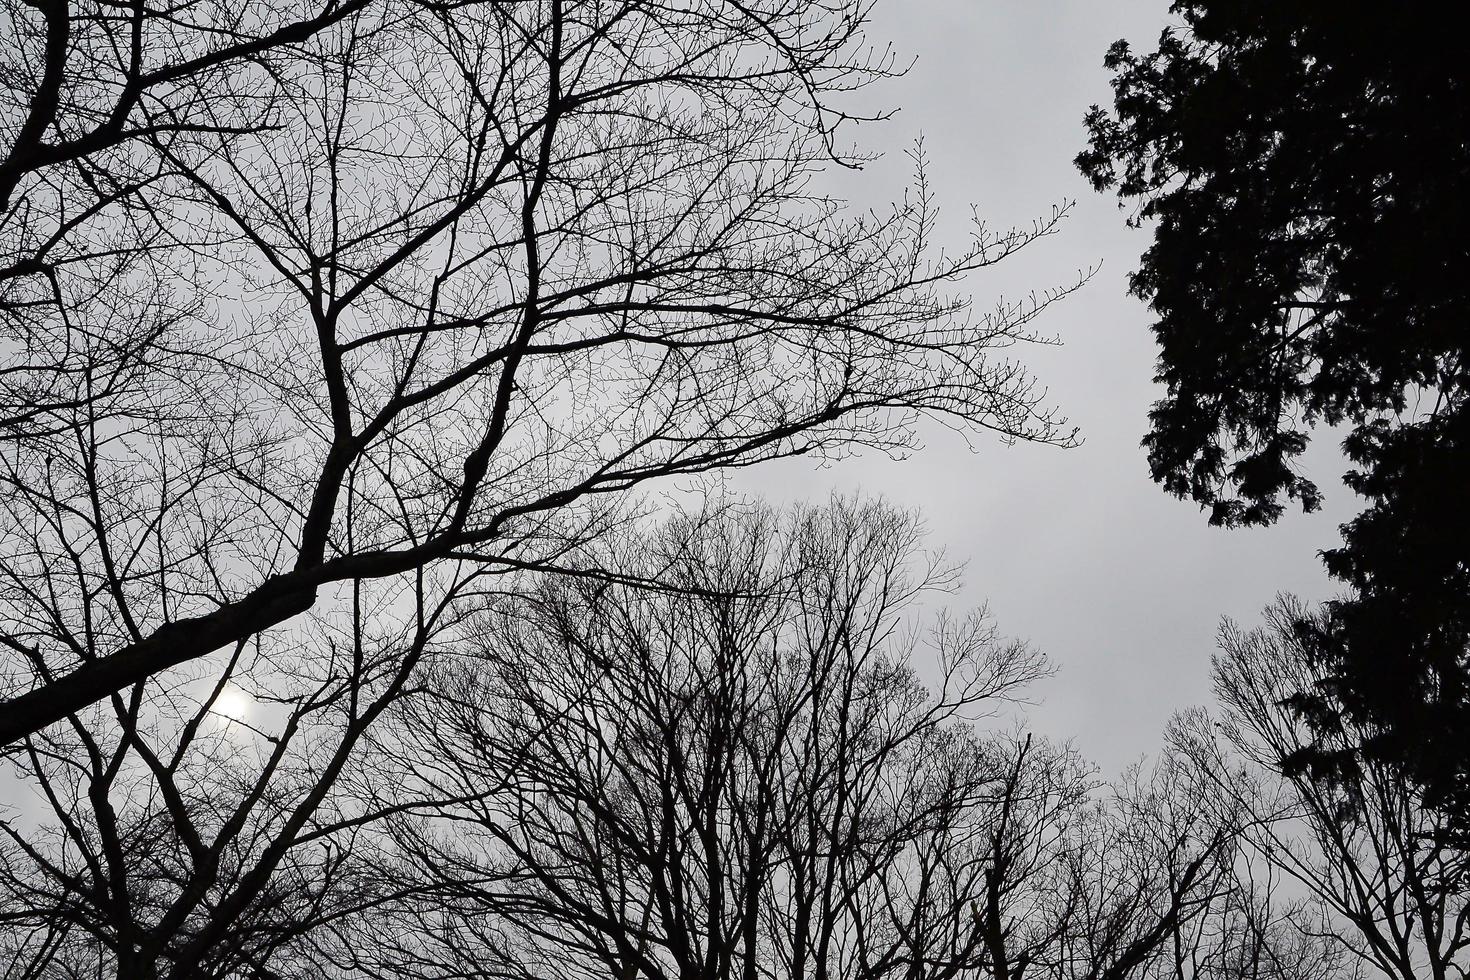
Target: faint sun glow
[[232, 703]]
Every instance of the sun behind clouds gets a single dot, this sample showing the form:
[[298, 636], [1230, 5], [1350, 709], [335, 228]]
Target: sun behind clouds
[[233, 704]]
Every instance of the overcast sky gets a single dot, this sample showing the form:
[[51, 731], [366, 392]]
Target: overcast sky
[[1076, 550]]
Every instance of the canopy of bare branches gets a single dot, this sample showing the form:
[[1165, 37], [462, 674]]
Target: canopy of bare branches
[[300, 297], [347, 351]]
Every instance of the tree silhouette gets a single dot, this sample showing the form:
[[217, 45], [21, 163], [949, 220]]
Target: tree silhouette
[[204, 823], [1376, 880], [745, 777], [1303, 169], [86, 268], [379, 286]]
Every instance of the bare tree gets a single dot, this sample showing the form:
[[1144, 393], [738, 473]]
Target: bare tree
[[722, 780], [201, 826], [745, 777], [1377, 885], [1145, 874], [467, 272], [89, 252]]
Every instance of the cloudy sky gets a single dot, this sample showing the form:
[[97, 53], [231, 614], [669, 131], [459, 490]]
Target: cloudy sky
[[1076, 550]]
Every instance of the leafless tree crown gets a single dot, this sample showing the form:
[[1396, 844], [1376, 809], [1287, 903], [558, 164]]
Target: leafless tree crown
[[337, 338], [299, 295]]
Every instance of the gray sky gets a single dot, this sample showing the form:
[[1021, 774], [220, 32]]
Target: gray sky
[[1076, 550]]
